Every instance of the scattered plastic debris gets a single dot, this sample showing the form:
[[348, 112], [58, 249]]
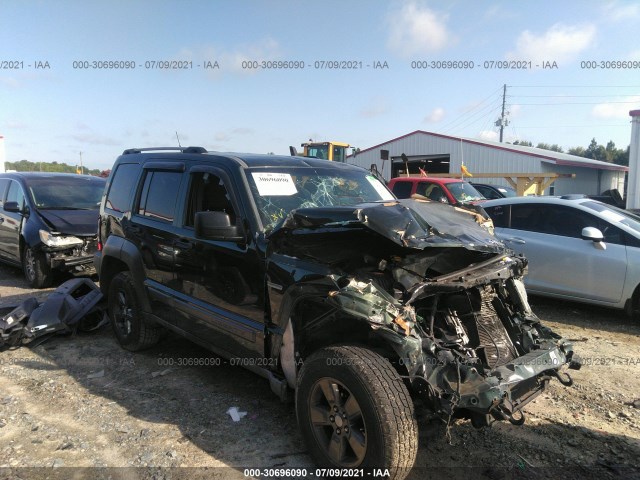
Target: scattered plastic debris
[[72, 306], [99, 374], [161, 373], [235, 414]]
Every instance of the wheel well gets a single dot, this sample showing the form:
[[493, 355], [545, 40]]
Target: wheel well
[[317, 325], [632, 307], [110, 268]]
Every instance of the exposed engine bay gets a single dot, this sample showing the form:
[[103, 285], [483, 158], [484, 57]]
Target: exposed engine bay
[[434, 284]]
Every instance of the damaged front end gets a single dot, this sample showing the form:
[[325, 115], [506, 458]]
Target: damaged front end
[[433, 285]]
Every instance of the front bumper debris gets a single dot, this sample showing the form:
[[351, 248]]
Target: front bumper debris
[[73, 305], [78, 258]]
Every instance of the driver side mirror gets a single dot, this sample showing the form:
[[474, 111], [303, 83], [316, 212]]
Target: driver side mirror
[[13, 207], [217, 226]]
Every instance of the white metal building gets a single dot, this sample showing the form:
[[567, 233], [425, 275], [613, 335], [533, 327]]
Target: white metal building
[[437, 153]]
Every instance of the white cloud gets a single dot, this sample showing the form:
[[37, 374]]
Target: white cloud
[[15, 125], [416, 30], [499, 12], [10, 82], [242, 131], [514, 111], [559, 43], [94, 139], [435, 115], [607, 111], [227, 136], [488, 135], [232, 60], [266, 49], [616, 12], [377, 108], [635, 55]]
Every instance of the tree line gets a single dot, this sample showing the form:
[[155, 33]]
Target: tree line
[[27, 166], [595, 151]]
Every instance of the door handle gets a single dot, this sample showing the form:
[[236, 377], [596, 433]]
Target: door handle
[[516, 240]]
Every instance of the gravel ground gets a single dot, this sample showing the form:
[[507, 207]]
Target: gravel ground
[[89, 409]]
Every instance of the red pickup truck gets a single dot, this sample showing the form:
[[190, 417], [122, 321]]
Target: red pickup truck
[[446, 190]]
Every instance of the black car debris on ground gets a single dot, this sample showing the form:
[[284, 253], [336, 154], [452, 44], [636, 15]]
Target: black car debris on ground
[[311, 274], [48, 223]]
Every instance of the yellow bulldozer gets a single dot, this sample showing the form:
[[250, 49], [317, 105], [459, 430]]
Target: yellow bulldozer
[[335, 151]]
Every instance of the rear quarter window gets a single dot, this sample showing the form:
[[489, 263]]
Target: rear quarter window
[[120, 193], [500, 215]]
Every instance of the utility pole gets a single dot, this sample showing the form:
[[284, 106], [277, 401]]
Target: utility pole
[[82, 171], [502, 121]]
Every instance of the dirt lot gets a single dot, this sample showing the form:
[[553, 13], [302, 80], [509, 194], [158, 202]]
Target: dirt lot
[[81, 402]]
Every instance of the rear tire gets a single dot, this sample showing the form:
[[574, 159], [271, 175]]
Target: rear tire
[[354, 411], [126, 315], [36, 270]]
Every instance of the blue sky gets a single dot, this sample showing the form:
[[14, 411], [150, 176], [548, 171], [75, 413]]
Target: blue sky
[[53, 114]]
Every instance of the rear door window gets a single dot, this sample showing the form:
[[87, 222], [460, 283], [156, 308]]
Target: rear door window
[[159, 195]]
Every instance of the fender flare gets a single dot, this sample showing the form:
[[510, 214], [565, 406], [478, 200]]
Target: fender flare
[[125, 252]]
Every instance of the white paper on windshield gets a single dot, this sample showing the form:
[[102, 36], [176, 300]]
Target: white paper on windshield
[[613, 216], [274, 184], [383, 192]]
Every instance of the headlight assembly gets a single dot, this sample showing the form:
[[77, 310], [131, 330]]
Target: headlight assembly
[[56, 240]]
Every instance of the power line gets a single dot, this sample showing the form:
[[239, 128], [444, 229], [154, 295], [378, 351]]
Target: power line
[[577, 103], [447, 125], [574, 86], [573, 126], [566, 96], [472, 119]]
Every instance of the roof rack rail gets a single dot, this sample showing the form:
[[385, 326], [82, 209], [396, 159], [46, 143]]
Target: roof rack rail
[[130, 151]]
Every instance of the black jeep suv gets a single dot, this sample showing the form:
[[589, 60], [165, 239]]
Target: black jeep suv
[[312, 274]]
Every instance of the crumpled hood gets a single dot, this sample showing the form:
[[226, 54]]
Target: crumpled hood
[[409, 223], [72, 222]]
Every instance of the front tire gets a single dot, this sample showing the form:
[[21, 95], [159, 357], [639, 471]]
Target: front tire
[[126, 315], [355, 411], [36, 270], [634, 307]]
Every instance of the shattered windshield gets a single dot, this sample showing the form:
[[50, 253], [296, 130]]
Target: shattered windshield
[[464, 192], [278, 191]]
